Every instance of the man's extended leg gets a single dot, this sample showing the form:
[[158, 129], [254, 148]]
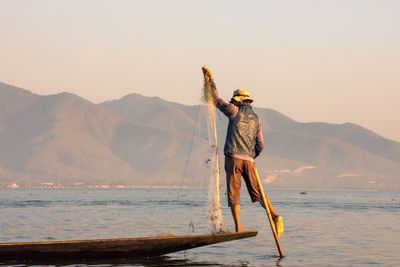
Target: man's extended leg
[[250, 177], [276, 217], [236, 218]]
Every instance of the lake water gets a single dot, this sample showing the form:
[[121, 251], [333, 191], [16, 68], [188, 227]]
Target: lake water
[[321, 228]]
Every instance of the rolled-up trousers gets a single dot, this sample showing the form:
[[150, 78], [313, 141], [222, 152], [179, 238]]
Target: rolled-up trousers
[[235, 169]]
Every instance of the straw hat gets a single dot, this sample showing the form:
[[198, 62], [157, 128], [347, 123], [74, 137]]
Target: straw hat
[[241, 95]]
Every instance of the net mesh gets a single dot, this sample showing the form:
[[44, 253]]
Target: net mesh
[[215, 221]]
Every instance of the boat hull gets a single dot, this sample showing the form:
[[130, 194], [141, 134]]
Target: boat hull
[[112, 248]]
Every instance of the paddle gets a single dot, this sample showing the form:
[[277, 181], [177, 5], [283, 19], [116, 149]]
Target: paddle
[[271, 222]]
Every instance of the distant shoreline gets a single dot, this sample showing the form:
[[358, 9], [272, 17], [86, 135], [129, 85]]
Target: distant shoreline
[[92, 186], [189, 187]]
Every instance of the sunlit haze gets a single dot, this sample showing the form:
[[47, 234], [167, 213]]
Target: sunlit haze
[[329, 61]]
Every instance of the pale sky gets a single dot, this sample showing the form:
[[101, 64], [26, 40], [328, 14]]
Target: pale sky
[[327, 61]]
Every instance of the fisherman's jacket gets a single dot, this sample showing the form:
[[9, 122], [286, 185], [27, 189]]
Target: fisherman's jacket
[[242, 132]]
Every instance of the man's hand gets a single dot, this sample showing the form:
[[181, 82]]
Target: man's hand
[[207, 72]]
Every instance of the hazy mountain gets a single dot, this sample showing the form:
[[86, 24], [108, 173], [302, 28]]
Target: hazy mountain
[[139, 140], [60, 138]]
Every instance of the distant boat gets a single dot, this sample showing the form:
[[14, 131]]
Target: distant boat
[[112, 248]]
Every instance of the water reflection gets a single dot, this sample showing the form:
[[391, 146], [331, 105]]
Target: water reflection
[[150, 261]]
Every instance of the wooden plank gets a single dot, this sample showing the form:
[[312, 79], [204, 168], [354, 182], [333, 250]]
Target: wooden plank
[[112, 248]]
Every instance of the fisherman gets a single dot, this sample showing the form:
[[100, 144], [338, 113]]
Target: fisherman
[[244, 142]]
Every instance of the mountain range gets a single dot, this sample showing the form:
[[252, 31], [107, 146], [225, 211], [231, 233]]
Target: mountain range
[[147, 141]]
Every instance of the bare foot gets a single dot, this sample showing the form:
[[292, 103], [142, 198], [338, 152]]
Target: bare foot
[[239, 229], [278, 225]]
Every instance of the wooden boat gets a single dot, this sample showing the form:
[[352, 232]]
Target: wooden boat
[[112, 248]]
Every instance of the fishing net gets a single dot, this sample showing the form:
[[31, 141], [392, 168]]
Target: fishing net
[[215, 221]]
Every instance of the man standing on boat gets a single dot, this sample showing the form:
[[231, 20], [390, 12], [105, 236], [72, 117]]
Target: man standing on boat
[[244, 142]]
